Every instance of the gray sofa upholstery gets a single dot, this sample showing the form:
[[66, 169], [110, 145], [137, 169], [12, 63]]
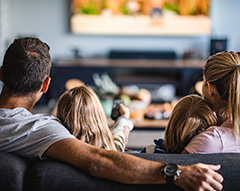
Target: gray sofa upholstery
[[18, 174]]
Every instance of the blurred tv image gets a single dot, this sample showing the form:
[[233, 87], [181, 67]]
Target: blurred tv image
[[141, 17]]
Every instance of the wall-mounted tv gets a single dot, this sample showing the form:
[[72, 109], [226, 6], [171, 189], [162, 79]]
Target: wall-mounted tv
[[141, 17]]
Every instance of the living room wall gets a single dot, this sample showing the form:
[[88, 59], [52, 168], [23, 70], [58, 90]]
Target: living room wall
[[49, 20]]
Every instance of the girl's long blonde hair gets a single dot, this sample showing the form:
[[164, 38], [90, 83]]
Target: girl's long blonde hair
[[191, 116], [81, 112], [223, 71]]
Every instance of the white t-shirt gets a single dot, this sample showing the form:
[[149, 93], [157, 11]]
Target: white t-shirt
[[27, 134], [214, 140]]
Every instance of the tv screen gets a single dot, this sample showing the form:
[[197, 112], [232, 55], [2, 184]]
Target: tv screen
[[141, 17]]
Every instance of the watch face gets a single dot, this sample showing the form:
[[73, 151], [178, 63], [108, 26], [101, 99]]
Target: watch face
[[170, 169]]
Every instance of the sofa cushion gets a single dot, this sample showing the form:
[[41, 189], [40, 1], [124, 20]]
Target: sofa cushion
[[14, 170]]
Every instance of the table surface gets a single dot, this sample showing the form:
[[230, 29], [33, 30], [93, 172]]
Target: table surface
[[151, 123]]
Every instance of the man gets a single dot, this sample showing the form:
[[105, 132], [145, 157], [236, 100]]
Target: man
[[25, 74]]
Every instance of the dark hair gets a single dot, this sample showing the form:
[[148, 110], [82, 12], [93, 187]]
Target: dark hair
[[26, 65]]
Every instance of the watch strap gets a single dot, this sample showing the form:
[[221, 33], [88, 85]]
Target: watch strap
[[170, 179]]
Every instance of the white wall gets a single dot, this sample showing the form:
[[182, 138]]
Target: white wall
[[225, 20], [4, 25], [48, 20]]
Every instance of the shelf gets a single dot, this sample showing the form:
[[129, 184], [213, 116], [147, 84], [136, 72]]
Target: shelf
[[139, 63], [183, 74]]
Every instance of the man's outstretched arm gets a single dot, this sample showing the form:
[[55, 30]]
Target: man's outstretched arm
[[129, 169]]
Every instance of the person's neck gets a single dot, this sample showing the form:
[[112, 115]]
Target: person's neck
[[11, 102]]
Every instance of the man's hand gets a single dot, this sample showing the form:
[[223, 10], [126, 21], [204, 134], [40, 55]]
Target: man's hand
[[199, 177]]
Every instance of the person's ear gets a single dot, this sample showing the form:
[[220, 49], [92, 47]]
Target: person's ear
[[46, 85], [211, 89]]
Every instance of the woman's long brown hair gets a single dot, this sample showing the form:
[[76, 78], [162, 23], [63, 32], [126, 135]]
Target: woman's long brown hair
[[223, 71]]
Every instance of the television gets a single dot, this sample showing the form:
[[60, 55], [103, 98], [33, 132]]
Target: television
[[140, 17]]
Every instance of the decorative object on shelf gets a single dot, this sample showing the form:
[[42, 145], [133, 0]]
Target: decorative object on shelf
[[106, 89], [104, 86], [137, 110], [137, 99], [159, 111]]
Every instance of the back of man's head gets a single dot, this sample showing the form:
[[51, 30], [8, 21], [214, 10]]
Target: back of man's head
[[26, 65]]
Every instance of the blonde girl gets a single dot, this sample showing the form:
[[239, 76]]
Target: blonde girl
[[191, 116], [221, 88], [80, 111]]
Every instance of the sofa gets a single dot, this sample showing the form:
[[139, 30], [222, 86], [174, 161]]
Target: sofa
[[20, 174]]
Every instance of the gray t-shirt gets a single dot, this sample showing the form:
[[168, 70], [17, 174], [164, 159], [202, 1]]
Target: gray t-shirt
[[27, 134]]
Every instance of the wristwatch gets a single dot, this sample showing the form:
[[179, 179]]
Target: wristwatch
[[171, 172]]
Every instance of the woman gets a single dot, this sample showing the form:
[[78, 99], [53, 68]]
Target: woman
[[80, 107], [221, 88]]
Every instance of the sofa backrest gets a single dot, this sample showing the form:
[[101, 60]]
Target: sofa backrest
[[18, 174], [230, 164], [51, 175], [14, 170]]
